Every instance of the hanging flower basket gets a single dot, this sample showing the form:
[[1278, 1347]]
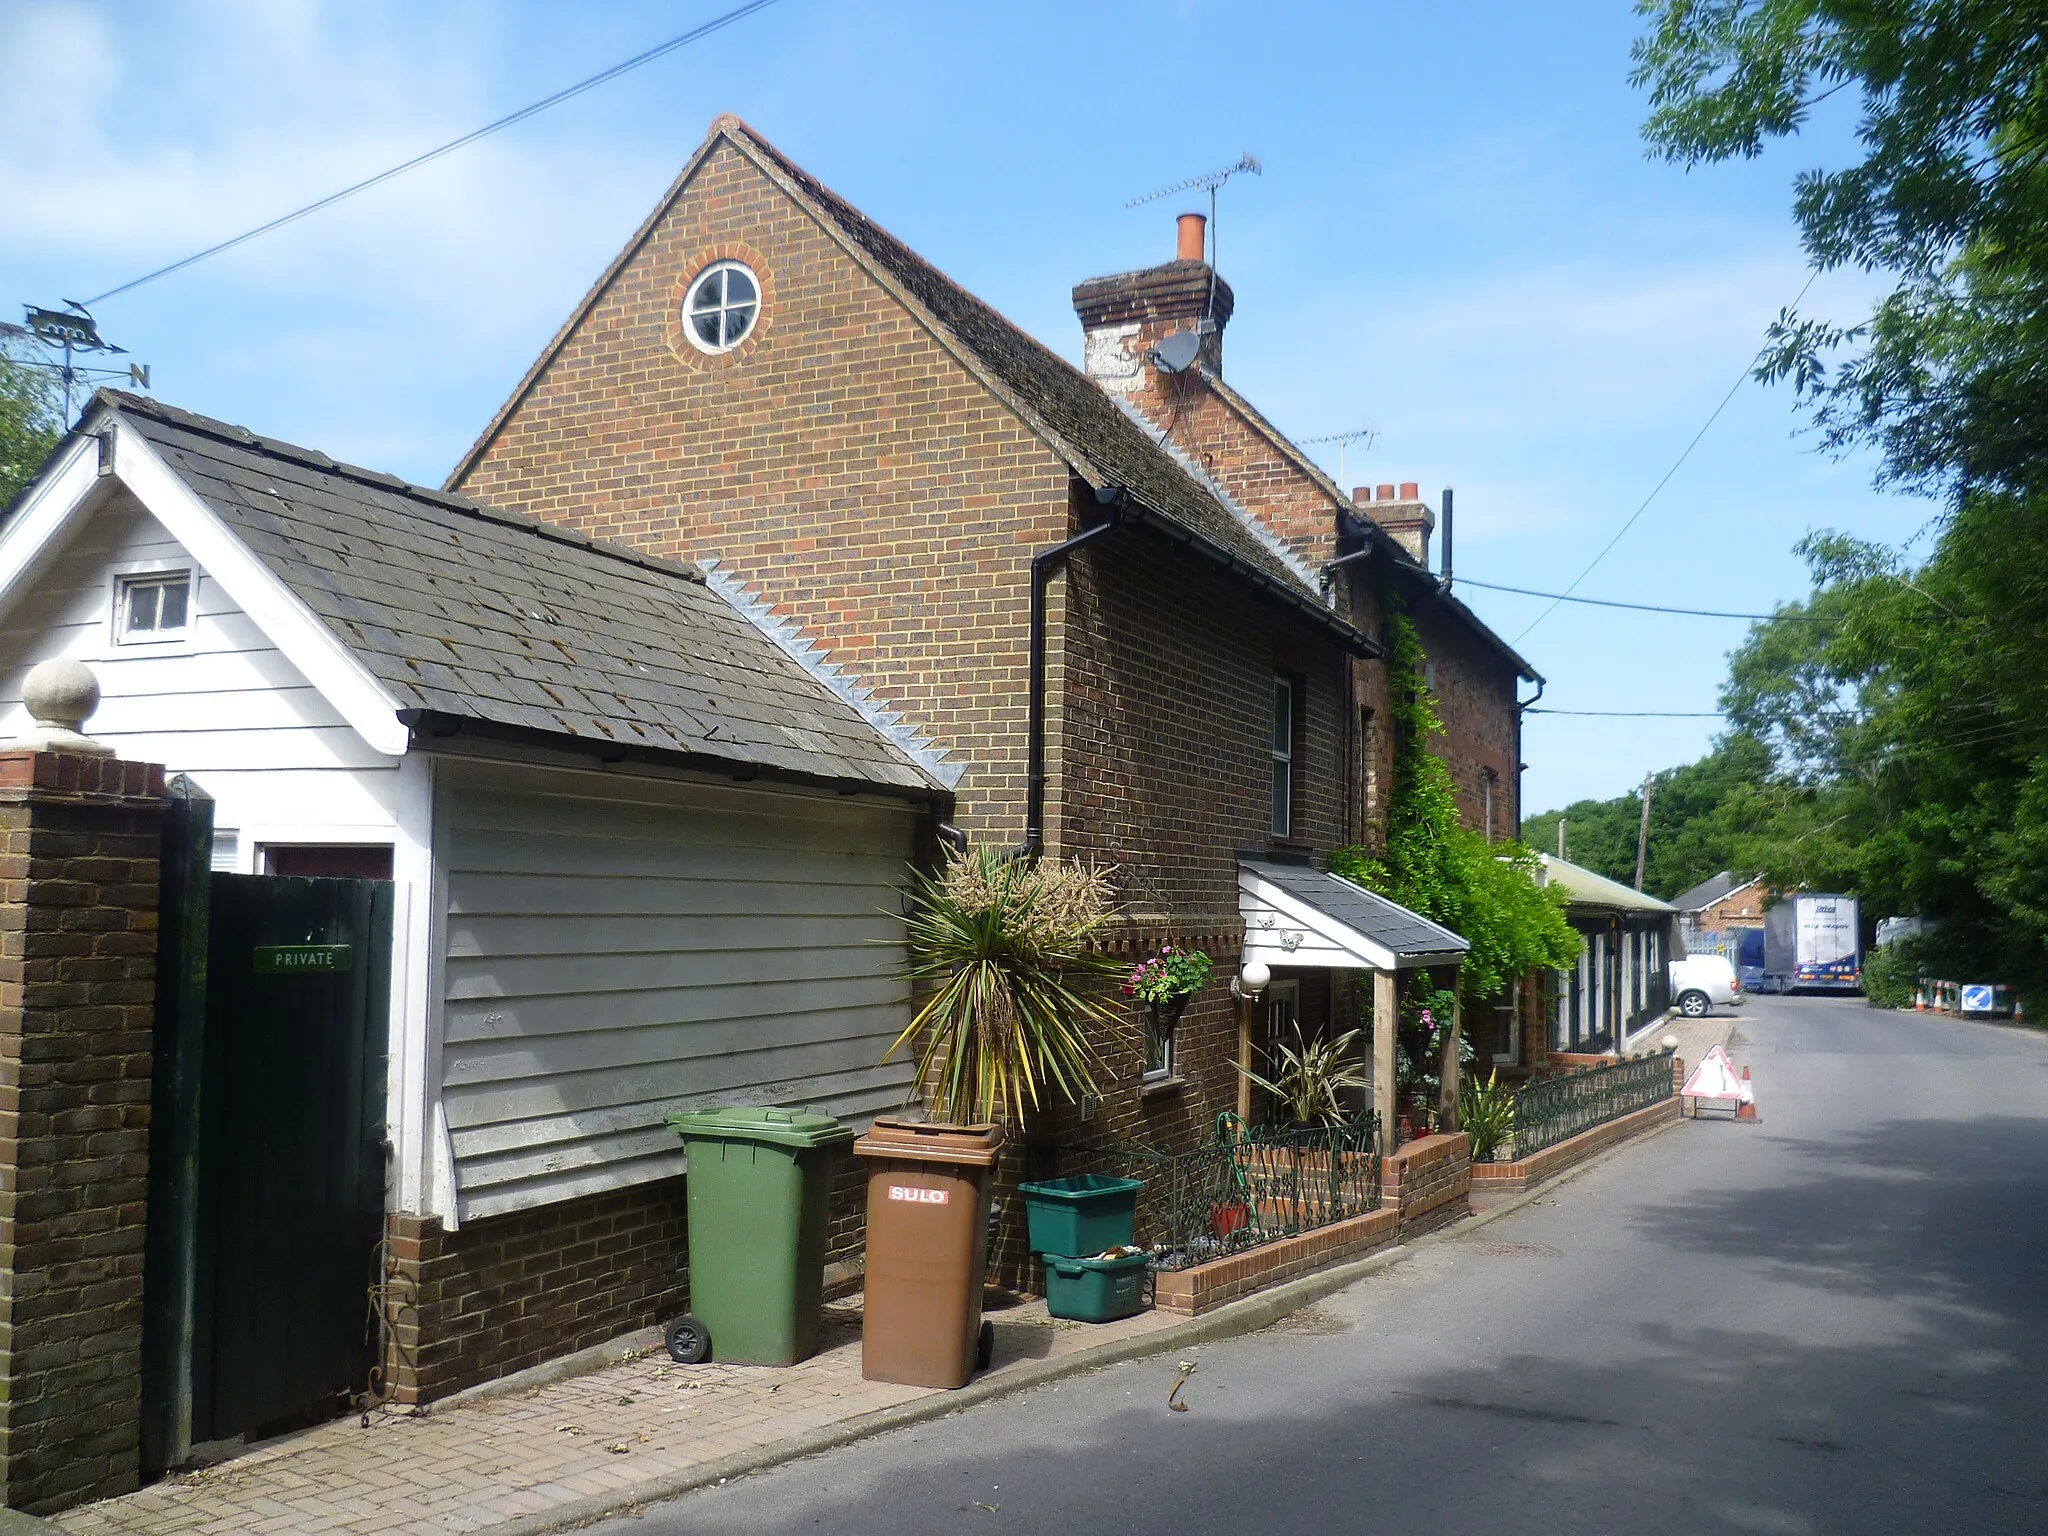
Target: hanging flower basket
[[1167, 1013], [1166, 983]]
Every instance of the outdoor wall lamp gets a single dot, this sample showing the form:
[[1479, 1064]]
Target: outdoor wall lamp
[[1247, 984]]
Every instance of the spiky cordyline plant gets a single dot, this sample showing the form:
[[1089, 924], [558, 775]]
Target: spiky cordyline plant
[[1006, 947], [1309, 1077]]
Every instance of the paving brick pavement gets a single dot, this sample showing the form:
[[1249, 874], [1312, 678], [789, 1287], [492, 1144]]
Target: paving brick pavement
[[478, 1463], [1721, 1026]]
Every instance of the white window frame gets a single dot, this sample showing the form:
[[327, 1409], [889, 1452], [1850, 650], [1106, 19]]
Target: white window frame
[[690, 312], [150, 573], [1163, 1073], [1282, 756], [1513, 1053]]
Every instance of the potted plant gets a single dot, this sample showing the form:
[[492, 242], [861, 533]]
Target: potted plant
[[1310, 1078], [1007, 948], [1166, 983]]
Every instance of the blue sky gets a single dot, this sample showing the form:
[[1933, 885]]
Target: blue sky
[[1458, 241]]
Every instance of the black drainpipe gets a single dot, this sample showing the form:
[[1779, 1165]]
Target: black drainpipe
[[1522, 707], [1043, 566]]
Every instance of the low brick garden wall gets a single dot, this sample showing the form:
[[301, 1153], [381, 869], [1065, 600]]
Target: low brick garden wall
[[1425, 1185], [1429, 1182], [1526, 1173], [1192, 1291]]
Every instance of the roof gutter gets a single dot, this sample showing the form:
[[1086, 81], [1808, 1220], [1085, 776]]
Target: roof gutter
[[1355, 641]]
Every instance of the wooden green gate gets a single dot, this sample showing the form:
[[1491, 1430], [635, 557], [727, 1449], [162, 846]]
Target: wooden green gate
[[267, 1154]]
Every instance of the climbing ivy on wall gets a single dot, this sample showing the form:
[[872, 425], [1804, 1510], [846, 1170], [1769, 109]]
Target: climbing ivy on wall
[[1436, 866]]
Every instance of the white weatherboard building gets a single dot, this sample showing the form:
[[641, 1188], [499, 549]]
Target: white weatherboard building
[[643, 854]]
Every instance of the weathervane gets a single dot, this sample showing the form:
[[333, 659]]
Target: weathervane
[[73, 331]]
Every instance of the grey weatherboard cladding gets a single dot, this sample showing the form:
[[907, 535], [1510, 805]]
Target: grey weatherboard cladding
[[464, 611]]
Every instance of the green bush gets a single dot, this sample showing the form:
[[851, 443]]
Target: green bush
[[1889, 972], [1486, 1111]]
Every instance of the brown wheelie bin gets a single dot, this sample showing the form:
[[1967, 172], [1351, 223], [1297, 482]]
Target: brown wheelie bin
[[928, 1202]]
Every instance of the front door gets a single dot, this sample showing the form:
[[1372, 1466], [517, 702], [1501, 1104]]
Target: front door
[[291, 1130]]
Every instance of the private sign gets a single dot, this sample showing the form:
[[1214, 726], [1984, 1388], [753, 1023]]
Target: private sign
[[915, 1196]]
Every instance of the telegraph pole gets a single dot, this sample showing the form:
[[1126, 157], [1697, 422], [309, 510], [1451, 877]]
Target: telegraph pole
[[1643, 836]]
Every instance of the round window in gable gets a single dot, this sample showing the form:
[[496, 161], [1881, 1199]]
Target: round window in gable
[[720, 309]]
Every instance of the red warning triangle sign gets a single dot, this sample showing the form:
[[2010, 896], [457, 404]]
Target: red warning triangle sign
[[1716, 1078]]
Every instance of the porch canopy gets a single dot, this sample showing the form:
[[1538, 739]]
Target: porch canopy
[[1302, 918]]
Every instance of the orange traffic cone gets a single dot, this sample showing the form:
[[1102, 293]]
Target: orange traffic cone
[[1745, 1108]]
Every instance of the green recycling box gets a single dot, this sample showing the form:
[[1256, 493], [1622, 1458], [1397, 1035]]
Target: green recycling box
[[1099, 1290], [757, 1186], [1084, 1214]]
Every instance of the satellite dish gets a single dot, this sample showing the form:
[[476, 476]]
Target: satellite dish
[[1176, 353]]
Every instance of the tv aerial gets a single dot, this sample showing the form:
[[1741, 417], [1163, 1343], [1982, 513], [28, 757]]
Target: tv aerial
[[73, 331], [1343, 440], [1212, 182]]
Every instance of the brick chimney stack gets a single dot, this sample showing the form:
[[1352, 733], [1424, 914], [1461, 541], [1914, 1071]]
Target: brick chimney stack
[[1124, 317], [1402, 512]]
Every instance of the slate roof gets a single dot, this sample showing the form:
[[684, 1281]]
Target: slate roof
[[1707, 892], [1584, 887], [461, 610], [1386, 923]]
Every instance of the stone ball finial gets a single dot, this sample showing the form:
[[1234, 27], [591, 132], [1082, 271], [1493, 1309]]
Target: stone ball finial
[[60, 696]]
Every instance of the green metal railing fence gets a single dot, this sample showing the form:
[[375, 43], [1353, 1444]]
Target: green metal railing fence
[[1559, 1108], [1245, 1186]]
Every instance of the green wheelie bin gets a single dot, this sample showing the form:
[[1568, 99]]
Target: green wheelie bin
[[756, 1184]]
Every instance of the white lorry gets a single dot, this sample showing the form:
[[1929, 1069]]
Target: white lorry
[[1813, 939]]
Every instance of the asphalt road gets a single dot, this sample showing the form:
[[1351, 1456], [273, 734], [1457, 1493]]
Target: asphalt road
[[1829, 1321]]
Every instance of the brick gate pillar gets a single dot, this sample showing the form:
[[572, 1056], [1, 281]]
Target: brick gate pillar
[[78, 911]]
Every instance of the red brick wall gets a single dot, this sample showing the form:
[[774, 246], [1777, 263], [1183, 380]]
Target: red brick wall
[[1429, 1181], [509, 1292], [1475, 688], [840, 462], [78, 909], [1475, 696]]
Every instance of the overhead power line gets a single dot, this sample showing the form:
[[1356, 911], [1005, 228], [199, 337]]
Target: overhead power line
[[659, 50], [1676, 465], [1608, 602], [1634, 714]]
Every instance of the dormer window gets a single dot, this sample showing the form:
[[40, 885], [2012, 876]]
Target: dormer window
[[154, 607], [720, 309]]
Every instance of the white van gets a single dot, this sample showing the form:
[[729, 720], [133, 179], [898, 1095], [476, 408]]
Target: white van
[[1700, 981]]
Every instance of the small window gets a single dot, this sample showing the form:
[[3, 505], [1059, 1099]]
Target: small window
[[722, 305], [1283, 757], [1158, 1051], [153, 607]]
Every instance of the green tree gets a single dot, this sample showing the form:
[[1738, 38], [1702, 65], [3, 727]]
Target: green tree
[[1438, 867], [1702, 816], [1904, 705], [29, 420], [1946, 376]]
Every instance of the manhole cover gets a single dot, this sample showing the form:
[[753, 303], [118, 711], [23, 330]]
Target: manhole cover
[[1518, 1250]]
